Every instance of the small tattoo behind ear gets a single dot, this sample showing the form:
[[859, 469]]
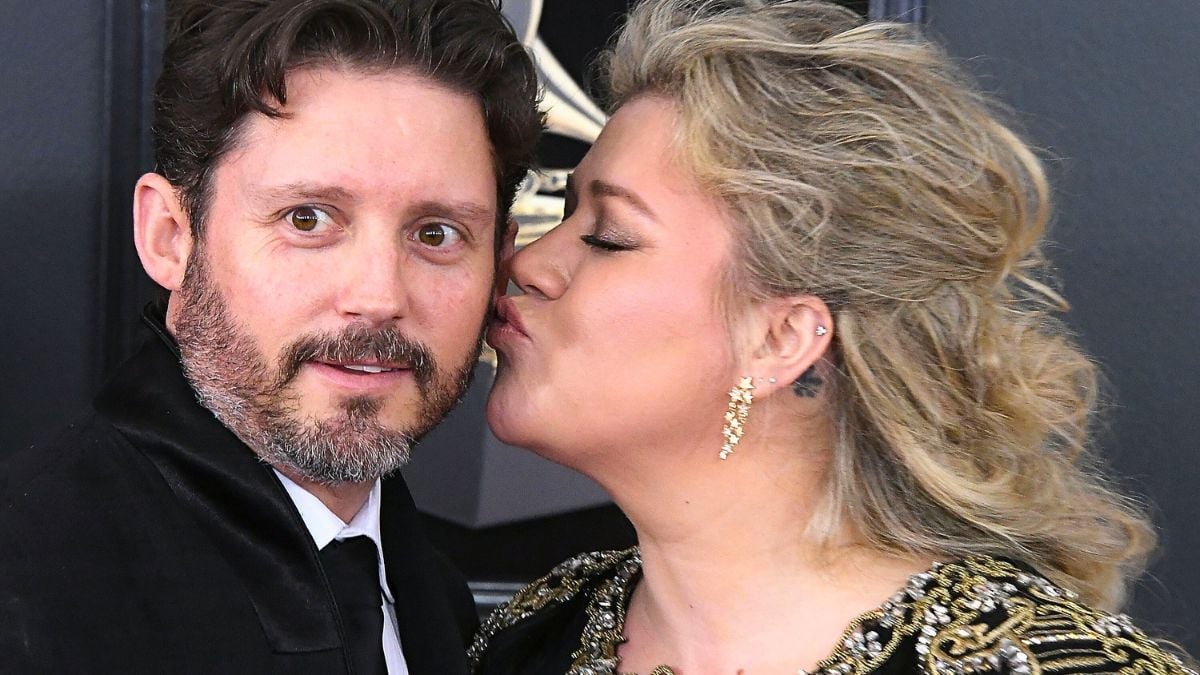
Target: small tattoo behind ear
[[809, 383]]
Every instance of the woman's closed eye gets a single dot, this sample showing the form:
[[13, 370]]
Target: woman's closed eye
[[609, 242]]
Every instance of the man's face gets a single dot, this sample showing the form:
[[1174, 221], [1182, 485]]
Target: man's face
[[332, 308]]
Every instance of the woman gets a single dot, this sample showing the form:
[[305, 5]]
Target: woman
[[796, 323]]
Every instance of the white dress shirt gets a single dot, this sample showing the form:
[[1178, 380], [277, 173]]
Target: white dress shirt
[[325, 527]]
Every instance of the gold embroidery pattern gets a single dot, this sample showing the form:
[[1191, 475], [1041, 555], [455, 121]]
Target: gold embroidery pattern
[[979, 615], [560, 585]]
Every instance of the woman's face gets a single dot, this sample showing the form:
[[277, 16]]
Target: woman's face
[[618, 339]]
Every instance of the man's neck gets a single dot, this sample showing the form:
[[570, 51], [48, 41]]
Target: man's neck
[[345, 500]]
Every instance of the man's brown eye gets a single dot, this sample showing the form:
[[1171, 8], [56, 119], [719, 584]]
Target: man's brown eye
[[304, 218], [432, 235]]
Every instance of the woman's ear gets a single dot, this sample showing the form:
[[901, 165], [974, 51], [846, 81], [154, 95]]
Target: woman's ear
[[161, 231], [795, 333]]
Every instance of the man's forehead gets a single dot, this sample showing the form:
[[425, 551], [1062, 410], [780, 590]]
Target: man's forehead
[[347, 135]]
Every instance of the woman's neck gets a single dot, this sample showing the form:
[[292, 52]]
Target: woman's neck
[[732, 573]]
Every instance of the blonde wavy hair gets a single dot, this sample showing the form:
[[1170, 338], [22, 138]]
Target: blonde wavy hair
[[863, 167]]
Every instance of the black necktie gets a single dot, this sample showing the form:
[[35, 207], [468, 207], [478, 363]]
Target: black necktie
[[353, 572]]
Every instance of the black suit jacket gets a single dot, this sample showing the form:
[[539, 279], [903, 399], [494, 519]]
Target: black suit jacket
[[148, 539]]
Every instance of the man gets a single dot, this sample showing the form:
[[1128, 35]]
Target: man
[[333, 181]]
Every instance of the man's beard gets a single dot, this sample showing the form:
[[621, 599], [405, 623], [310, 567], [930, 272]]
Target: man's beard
[[234, 381]]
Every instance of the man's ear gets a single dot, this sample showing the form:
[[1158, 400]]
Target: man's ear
[[508, 247], [161, 231], [794, 333]]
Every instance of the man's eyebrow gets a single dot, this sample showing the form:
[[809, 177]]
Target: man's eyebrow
[[305, 191], [461, 211], [458, 210], [601, 188]]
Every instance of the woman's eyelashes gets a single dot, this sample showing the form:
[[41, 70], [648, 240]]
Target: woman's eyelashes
[[604, 236], [609, 242]]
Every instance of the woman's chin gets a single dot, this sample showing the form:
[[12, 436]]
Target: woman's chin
[[502, 418]]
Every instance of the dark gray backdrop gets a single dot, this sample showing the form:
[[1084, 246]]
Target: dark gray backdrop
[[1109, 87], [1112, 89]]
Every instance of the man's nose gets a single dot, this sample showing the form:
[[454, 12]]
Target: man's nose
[[373, 286]]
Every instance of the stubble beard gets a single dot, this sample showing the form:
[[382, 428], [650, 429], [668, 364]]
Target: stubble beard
[[256, 402]]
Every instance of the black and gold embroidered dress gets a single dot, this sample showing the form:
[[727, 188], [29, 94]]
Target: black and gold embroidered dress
[[978, 615]]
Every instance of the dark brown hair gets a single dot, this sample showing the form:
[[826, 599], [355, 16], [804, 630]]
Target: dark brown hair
[[227, 58]]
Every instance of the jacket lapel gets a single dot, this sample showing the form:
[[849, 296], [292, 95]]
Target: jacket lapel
[[429, 632]]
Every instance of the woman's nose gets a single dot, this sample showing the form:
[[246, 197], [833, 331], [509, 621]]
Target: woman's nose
[[542, 267]]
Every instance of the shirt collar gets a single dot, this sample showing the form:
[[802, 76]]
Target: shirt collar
[[325, 526]]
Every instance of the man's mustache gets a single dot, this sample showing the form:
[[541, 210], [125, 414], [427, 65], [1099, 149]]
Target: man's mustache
[[358, 343]]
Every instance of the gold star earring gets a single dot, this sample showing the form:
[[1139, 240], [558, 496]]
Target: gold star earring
[[740, 398]]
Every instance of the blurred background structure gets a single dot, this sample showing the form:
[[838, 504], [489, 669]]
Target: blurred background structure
[[1109, 90]]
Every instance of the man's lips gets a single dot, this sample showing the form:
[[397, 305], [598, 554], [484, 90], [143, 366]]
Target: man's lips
[[367, 367], [362, 377]]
